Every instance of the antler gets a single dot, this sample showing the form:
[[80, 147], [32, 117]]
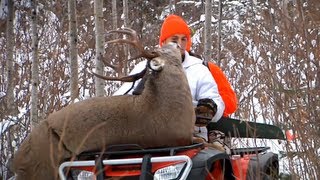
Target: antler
[[130, 78], [135, 42]]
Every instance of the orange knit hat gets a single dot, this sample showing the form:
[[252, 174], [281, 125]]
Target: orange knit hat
[[174, 24]]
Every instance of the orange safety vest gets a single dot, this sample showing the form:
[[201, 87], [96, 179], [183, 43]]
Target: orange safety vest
[[225, 90]]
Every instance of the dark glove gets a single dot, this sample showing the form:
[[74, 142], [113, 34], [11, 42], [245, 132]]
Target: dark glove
[[219, 140], [205, 111]]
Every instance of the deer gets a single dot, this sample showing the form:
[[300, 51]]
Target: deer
[[162, 115]]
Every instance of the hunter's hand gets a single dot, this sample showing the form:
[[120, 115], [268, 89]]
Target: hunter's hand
[[205, 111]]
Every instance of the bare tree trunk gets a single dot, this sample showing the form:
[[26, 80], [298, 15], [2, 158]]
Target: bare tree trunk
[[286, 14], [171, 6], [317, 83], [10, 137], [125, 47], [3, 14], [99, 26], [219, 32], [114, 15], [175, 10], [35, 66], [73, 40], [9, 63], [207, 31], [125, 13]]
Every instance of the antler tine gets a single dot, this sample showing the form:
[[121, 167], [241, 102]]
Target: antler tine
[[134, 41], [127, 31], [123, 41]]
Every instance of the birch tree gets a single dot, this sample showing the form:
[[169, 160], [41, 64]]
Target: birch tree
[[219, 32], [10, 102], [73, 40], [35, 66], [9, 63], [120, 48], [114, 15], [125, 24], [99, 29], [207, 31]]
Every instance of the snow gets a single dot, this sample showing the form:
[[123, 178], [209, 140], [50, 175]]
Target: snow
[[314, 43], [4, 125], [3, 9], [203, 17], [2, 94], [186, 2], [234, 3]]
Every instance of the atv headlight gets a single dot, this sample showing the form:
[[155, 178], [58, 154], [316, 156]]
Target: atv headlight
[[82, 175], [170, 172]]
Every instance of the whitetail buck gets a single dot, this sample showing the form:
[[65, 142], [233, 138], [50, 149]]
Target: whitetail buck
[[161, 116]]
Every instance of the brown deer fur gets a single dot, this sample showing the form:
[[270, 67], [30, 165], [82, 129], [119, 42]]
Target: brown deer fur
[[161, 116]]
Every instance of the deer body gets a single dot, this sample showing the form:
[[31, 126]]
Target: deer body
[[161, 116], [129, 119]]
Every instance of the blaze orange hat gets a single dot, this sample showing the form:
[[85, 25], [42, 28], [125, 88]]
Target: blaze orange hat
[[172, 25]]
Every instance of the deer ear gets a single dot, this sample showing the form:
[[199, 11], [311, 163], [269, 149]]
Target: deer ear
[[156, 64]]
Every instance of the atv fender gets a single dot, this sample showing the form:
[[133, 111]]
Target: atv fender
[[203, 164], [263, 166]]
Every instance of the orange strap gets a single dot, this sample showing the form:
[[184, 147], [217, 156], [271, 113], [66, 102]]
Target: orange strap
[[226, 92]]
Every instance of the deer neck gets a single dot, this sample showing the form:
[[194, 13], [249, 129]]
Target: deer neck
[[169, 88]]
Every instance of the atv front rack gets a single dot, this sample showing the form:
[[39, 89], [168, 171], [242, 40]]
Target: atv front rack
[[180, 158], [143, 158]]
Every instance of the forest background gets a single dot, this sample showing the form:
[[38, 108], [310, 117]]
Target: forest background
[[269, 50]]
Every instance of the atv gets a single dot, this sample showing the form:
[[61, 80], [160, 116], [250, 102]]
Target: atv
[[130, 162]]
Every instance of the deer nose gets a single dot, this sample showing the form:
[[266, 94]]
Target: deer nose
[[175, 45]]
